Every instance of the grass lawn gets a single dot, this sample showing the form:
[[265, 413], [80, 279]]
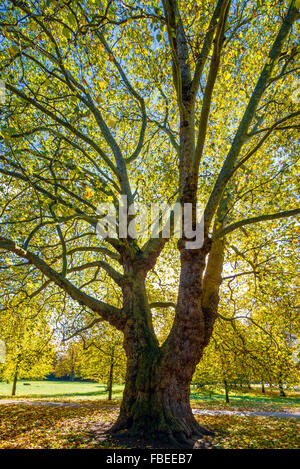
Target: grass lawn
[[60, 390], [251, 400], [74, 391]]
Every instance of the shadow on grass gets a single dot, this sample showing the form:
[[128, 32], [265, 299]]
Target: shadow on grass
[[70, 394], [101, 393]]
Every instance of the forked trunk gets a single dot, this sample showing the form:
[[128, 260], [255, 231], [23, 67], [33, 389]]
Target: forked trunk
[[156, 402], [156, 399]]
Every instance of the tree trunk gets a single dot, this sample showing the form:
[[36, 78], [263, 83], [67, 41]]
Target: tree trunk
[[156, 403], [110, 377], [281, 390], [156, 399], [14, 388], [263, 387], [226, 390]]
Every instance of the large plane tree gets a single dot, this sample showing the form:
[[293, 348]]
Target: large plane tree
[[158, 101]]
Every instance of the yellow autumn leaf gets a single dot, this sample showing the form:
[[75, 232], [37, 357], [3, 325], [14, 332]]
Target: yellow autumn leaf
[[88, 192], [12, 50]]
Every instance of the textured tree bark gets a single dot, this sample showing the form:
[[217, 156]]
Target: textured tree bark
[[281, 390], [226, 390], [14, 387], [111, 377], [157, 405], [156, 399]]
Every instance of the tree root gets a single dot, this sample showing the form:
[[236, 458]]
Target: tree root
[[172, 427], [167, 437]]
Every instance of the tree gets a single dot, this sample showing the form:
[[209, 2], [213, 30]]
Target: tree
[[219, 365], [29, 347], [94, 110], [103, 357], [257, 327], [68, 362]]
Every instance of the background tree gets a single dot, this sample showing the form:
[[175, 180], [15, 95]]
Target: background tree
[[67, 363], [103, 357], [257, 327], [156, 102], [29, 346]]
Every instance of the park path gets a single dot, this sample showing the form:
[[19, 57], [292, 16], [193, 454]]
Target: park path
[[239, 413], [248, 413]]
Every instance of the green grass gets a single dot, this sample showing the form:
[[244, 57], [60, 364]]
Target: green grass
[[67, 390], [60, 390], [252, 399]]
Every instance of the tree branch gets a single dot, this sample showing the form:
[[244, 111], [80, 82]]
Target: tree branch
[[110, 313], [162, 304], [211, 79], [249, 221], [203, 56], [241, 134]]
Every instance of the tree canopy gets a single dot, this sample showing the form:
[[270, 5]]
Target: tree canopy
[[159, 102]]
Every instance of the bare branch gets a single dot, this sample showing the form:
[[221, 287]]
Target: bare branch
[[250, 221], [162, 304]]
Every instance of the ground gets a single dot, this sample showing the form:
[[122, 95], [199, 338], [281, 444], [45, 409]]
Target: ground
[[79, 416]]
